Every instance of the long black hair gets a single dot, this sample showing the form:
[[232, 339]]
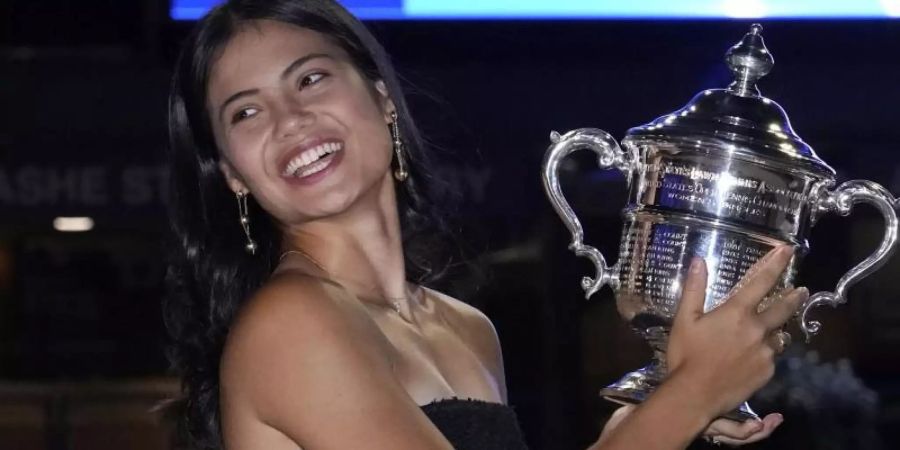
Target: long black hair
[[210, 274]]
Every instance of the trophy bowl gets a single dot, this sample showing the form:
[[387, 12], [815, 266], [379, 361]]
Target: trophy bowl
[[724, 178]]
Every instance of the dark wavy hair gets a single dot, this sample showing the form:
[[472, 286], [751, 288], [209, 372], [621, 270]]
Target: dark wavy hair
[[210, 274]]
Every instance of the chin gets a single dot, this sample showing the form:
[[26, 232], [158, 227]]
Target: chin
[[338, 194]]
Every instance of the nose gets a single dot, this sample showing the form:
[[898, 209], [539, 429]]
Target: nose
[[292, 121]]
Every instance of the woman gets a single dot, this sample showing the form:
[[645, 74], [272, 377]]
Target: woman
[[296, 325]]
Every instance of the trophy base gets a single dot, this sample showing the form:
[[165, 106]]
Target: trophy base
[[636, 386]]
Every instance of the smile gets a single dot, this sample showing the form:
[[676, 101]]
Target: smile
[[312, 160]]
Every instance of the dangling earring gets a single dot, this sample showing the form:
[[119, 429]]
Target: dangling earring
[[245, 221], [401, 174]]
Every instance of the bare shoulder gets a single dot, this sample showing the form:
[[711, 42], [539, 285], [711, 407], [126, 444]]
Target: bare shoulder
[[297, 309], [292, 315], [470, 319], [304, 360], [477, 330]]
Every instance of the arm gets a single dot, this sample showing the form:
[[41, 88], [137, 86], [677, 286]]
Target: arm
[[716, 360], [670, 419], [677, 431], [304, 364], [725, 431]]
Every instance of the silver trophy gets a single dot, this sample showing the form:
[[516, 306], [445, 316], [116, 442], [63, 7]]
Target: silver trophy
[[724, 178]]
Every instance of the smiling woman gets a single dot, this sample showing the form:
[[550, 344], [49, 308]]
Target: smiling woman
[[300, 318], [306, 117], [264, 94]]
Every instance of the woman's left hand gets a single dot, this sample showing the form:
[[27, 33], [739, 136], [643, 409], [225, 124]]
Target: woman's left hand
[[721, 431], [734, 433]]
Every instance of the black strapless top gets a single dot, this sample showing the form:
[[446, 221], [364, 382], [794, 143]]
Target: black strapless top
[[476, 425]]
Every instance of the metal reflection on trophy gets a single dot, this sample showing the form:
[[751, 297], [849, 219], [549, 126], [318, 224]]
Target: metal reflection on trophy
[[724, 178]]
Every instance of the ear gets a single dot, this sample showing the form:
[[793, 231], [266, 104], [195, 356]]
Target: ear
[[231, 177], [384, 97]]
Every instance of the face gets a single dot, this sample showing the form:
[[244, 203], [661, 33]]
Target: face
[[297, 125]]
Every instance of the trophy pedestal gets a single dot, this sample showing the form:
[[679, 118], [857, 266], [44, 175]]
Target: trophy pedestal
[[635, 387]]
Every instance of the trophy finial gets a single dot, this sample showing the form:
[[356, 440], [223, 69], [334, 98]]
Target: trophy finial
[[749, 60]]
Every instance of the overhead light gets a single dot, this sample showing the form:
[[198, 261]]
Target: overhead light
[[891, 7], [744, 9], [72, 224]]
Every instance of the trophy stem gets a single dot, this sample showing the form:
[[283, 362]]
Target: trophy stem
[[635, 387]]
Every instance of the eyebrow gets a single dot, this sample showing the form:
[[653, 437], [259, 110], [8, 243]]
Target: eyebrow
[[284, 75]]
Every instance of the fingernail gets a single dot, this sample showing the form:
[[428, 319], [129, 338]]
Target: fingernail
[[802, 293], [790, 292], [696, 264], [779, 419], [772, 253], [784, 249]]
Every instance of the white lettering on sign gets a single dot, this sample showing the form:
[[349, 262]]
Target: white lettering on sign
[[94, 186]]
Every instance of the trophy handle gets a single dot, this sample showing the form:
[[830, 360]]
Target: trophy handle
[[609, 154], [841, 201]]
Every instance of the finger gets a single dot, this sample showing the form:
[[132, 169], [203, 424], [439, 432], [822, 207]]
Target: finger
[[614, 421], [693, 295], [623, 411], [618, 416], [734, 429], [762, 277], [781, 310], [769, 424]]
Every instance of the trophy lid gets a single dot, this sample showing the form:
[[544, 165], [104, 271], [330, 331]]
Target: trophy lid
[[738, 118]]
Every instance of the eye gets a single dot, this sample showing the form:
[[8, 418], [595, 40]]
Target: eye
[[243, 114], [311, 79]]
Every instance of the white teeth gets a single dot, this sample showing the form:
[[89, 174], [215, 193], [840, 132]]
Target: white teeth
[[307, 161], [317, 167]]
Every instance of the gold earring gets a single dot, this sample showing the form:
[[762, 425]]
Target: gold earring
[[401, 174], [245, 221]]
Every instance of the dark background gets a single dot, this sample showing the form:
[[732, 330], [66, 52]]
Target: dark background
[[83, 87]]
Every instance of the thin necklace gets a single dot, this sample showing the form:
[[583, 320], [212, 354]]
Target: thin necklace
[[394, 302]]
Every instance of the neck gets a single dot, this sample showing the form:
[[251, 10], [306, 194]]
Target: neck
[[361, 248]]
